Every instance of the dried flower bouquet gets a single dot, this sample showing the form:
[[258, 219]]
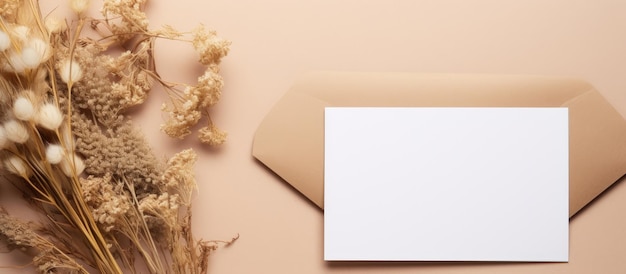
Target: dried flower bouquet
[[68, 145]]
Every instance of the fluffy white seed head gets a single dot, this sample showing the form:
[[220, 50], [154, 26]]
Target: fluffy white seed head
[[35, 52], [23, 109], [49, 116], [21, 32], [55, 25], [16, 131], [5, 41], [70, 71], [15, 63], [30, 58], [54, 154], [79, 6], [17, 166], [41, 48], [72, 165]]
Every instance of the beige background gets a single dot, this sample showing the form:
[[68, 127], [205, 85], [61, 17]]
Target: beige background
[[275, 41]]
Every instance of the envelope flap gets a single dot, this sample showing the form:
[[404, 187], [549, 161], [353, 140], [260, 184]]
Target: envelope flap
[[290, 140], [407, 89], [597, 147]]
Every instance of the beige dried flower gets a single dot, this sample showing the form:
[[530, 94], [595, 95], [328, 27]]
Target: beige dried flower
[[108, 202], [17, 166], [212, 135], [181, 120], [30, 58], [49, 116], [210, 47], [14, 63], [34, 52], [209, 87], [8, 9], [132, 18], [112, 85], [72, 166], [16, 131], [41, 51], [23, 108], [46, 262], [21, 32], [5, 41], [195, 100], [21, 235], [70, 71], [121, 152], [79, 6], [164, 207], [179, 169], [50, 261], [54, 154], [55, 25], [18, 234], [96, 92], [179, 175]]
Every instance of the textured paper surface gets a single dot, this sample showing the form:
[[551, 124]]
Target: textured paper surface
[[446, 184]]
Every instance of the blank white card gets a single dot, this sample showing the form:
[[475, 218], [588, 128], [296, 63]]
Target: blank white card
[[446, 184]]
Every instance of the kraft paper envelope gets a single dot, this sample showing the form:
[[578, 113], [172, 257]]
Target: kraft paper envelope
[[290, 140]]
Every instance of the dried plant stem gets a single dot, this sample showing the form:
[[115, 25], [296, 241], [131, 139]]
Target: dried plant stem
[[73, 211], [82, 219], [70, 205], [140, 233], [106, 201]]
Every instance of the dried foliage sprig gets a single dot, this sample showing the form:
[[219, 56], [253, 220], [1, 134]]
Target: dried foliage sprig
[[67, 143]]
